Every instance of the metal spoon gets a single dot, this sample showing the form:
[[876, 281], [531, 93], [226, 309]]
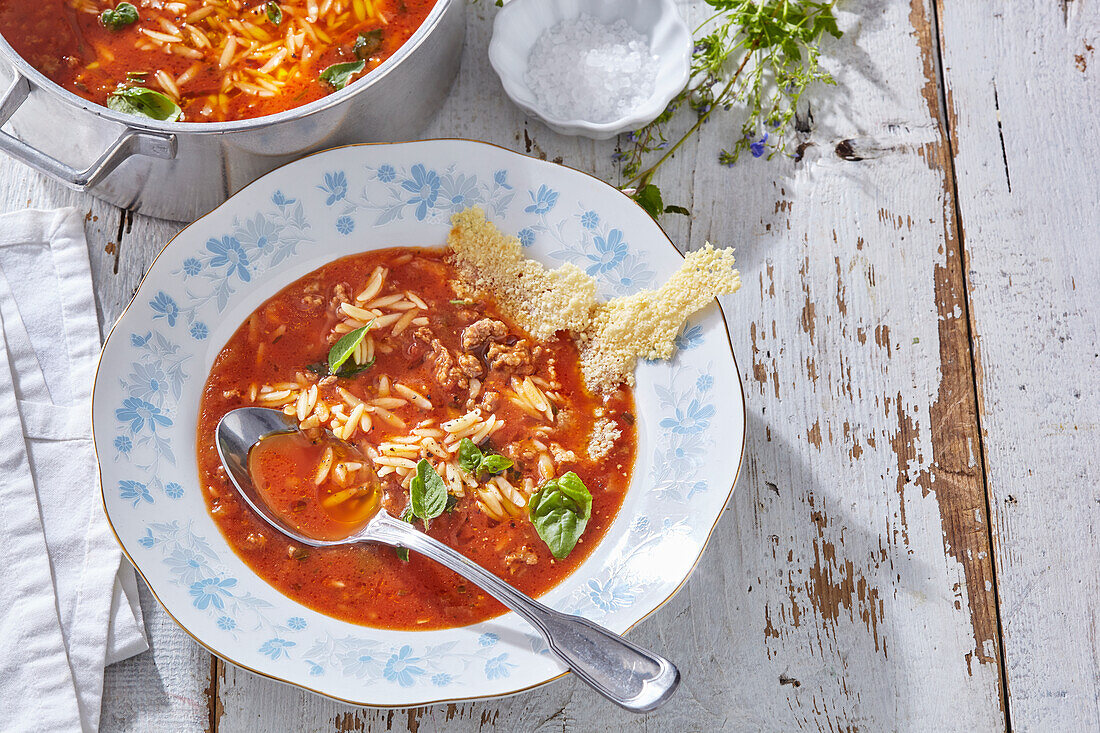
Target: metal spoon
[[623, 672]]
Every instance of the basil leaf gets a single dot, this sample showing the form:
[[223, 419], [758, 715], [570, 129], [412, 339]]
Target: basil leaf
[[123, 15], [494, 463], [469, 456], [350, 370], [473, 461], [342, 350], [452, 502], [427, 492], [403, 552], [274, 12], [144, 103], [338, 75], [367, 44], [560, 511]]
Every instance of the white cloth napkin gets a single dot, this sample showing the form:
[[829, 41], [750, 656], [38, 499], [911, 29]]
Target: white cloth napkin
[[68, 603]]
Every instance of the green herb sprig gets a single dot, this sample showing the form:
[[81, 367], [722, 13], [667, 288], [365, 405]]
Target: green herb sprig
[[337, 364], [428, 498], [124, 14], [756, 55], [475, 462], [560, 511], [144, 102], [337, 76]]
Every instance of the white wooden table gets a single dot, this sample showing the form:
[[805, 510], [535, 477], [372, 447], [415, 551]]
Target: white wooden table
[[912, 544]]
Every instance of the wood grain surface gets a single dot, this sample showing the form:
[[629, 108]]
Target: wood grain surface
[[1023, 90], [911, 545]]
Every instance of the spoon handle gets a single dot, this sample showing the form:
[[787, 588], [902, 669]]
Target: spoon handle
[[624, 673]]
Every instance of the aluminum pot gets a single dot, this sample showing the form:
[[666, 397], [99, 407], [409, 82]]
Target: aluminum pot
[[181, 170]]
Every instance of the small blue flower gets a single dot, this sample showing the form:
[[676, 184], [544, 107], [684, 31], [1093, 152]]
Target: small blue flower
[[276, 647], [697, 488], [640, 525], [191, 266], [613, 594], [501, 179], [689, 338], [229, 253], [173, 490], [296, 622], [632, 273], [140, 341], [610, 251], [315, 670], [199, 331], [458, 191], [226, 624], [210, 592], [487, 639], [336, 186], [147, 381], [590, 220], [527, 236], [498, 667], [442, 679], [401, 667], [258, 232], [189, 565], [704, 383], [164, 307], [134, 490], [137, 412], [279, 199], [345, 225], [147, 540], [424, 184], [757, 148], [123, 444], [542, 201], [357, 664], [694, 419], [386, 173]]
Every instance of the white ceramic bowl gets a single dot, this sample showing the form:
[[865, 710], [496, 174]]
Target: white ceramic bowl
[[520, 23], [206, 281]]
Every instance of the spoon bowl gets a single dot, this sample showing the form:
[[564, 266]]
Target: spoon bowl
[[628, 675]]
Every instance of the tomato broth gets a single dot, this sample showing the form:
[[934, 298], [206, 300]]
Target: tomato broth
[[432, 366]]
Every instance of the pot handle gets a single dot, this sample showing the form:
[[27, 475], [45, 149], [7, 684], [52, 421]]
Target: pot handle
[[130, 142]]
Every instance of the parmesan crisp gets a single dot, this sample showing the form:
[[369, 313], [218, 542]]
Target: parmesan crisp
[[612, 335]]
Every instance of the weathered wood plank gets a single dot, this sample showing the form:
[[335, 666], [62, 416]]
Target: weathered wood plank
[[850, 584], [1023, 87]]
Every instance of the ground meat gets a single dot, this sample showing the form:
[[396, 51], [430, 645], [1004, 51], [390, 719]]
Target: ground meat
[[447, 372], [524, 555], [470, 365], [341, 293], [490, 401], [514, 359], [311, 304], [478, 334], [327, 381]]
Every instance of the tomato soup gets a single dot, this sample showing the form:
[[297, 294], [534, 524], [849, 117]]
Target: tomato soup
[[462, 424], [207, 60]]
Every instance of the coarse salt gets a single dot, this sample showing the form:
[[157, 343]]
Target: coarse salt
[[582, 69]]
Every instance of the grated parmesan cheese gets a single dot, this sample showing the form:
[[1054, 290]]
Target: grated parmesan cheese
[[602, 440], [541, 301], [612, 335]]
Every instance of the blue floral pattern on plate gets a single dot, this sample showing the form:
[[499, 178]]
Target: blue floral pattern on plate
[[216, 271]]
